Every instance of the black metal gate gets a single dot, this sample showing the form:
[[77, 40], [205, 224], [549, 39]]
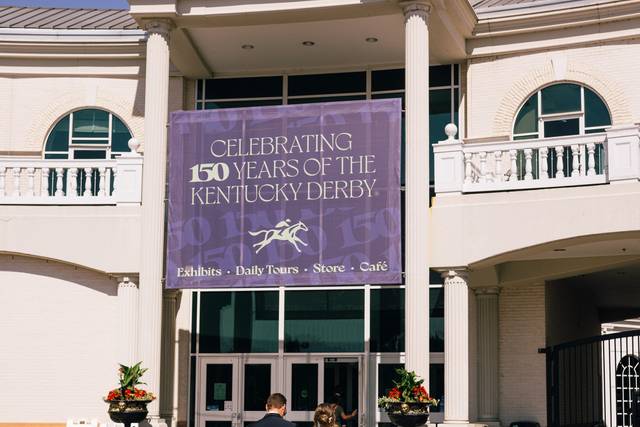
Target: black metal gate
[[594, 381]]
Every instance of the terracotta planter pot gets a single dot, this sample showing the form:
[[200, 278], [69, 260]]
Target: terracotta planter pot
[[408, 414], [128, 411]]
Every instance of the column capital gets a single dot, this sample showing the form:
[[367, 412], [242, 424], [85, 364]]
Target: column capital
[[127, 280], [171, 295], [489, 290], [421, 8], [161, 26], [458, 272]]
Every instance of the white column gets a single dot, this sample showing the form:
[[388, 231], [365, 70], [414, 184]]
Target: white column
[[169, 312], [487, 308], [127, 320], [154, 171], [417, 187], [456, 347]]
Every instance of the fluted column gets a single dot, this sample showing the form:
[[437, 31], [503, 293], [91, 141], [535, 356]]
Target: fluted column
[[487, 307], [456, 347], [127, 320], [153, 185], [417, 186], [169, 311]]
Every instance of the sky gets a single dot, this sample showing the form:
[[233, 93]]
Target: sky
[[91, 4]]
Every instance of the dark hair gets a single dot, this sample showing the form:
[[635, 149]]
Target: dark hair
[[276, 400], [324, 416], [336, 398]]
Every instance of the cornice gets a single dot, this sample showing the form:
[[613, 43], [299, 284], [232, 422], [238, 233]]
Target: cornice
[[557, 19]]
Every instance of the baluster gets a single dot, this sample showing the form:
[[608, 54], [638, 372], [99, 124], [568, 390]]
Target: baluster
[[513, 154], [583, 160], [544, 167], [591, 149], [483, 166], [467, 170], [497, 155], [114, 173], [3, 174], [30, 184], [575, 160], [16, 182], [72, 182], [44, 182], [101, 183], [59, 191], [559, 162], [87, 182], [528, 167]]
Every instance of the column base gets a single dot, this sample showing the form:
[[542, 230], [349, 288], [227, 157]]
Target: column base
[[154, 422]]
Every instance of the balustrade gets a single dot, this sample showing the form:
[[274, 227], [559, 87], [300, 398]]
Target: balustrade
[[537, 163], [68, 182]]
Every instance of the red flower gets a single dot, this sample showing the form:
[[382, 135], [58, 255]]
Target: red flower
[[394, 393]]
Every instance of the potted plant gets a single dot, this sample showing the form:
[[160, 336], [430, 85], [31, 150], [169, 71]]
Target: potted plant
[[407, 404], [128, 403]]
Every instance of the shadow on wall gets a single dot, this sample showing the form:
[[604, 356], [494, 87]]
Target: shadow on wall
[[78, 275]]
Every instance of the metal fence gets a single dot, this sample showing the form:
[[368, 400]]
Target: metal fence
[[595, 381]]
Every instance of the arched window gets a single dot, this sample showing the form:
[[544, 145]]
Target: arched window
[[87, 134], [627, 382], [561, 109]]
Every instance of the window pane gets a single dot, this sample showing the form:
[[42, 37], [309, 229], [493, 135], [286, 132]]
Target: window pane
[[239, 322], [456, 74], [439, 75], [90, 123], [55, 156], [596, 112], [560, 98], [527, 120], [326, 99], [318, 84], [439, 117], [59, 137], [90, 154], [436, 385], [390, 95], [257, 386], [199, 92], [247, 87], [120, 136], [436, 321], [387, 320], [324, 321], [238, 104], [387, 79], [561, 128], [304, 386], [386, 375], [219, 386]]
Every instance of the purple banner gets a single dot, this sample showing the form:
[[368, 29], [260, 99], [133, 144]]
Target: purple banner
[[287, 195]]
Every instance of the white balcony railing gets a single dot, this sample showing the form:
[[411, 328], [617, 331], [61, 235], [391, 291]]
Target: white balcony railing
[[27, 181], [538, 163]]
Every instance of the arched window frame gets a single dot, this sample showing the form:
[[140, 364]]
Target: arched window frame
[[627, 380], [543, 119], [92, 150]]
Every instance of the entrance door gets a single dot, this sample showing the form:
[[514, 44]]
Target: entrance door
[[234, 390], [311, 380]]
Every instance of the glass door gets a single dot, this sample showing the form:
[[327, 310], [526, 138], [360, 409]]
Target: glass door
[[258, 378], [218, 400], [304, 385], [343, 384]]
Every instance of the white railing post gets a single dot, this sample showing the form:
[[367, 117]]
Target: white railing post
[[58, 188], [497, 155], [591, 150], [575, 164], [16, 181], [467, 168], [544, 167], [513, 154], [30, 181], [72, 182], [483, 166], [528, 166], [87, 182], [101, 184], [623, 153], [128, 176], [3, 174], [44, 182], [559, 162]]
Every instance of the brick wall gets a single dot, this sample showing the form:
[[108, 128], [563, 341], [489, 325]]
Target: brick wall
[[522, 369]]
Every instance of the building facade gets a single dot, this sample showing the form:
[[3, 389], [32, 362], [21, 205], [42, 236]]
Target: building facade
[[520, 191]]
